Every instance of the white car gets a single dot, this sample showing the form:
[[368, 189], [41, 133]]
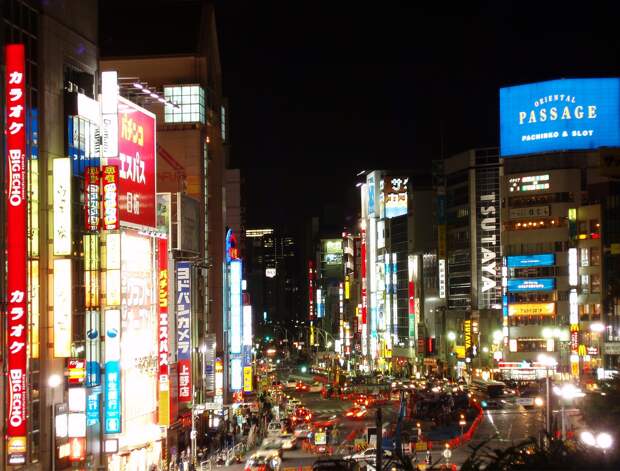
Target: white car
[[369, 454], [315, 387], [263, 459], [290, 383], [272, 445], [288, 441], [274, 428]]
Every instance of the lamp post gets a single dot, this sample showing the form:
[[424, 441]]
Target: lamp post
[[567, 392], [53, 382], [548, 362]]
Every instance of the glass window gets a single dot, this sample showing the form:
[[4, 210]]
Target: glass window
[[595, 283], [595, 256], [585, 284], [191, 104]]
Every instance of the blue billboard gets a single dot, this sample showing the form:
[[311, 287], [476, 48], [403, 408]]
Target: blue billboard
[[531, 284], [524, 261], [565, 114]]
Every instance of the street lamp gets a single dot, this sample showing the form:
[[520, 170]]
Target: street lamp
[[53, 382], [548, 362], [567, 392]]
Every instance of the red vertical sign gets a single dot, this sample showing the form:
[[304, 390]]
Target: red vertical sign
[[109, 187], [364, 279], [17, 335], [162, 335]]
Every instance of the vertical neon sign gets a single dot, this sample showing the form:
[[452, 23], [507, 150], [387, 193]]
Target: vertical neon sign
[[17, 335], [162, 334]]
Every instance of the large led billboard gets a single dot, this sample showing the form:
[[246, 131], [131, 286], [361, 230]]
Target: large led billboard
[[531, 284], [559, 115], [136, 164], [536, 260]]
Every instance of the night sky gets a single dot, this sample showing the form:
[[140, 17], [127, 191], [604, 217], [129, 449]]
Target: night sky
[[319, 90]]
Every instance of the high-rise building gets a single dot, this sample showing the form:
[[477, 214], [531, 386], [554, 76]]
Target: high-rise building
[[559, 142], [50, 59]]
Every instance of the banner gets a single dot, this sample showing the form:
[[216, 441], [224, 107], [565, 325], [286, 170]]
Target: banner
[[183, 305], [17, 324]]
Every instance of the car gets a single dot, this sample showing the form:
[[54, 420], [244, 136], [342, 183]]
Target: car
[[263, 460], [301, 386], [301, 414], [290, 383], [274, 428], [273, 445], [368, 455], [315, 387], [303, 430], [356, 413], [289, 441], [333, 465]]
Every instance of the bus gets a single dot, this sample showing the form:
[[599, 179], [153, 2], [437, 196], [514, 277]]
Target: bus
[[491, 389]]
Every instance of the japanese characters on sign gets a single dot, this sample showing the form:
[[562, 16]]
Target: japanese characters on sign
[[17, 324], [61, 171], [136, 162], [183, 304], [112, 417], [162, 334], [91, 188], [109, 183], [93, 342]]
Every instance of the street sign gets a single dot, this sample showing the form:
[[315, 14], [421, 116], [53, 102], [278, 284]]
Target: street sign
[[524, 401], [447, 453], [421, 446]]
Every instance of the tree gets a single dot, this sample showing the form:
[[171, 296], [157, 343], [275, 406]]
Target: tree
[[529, 455], [602, 409]]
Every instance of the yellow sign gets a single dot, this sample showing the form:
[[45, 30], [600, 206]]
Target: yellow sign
[[164, 405], [459, 350], [247, 378], [421, 446], [538, 309], [467, 329], [320, 438]]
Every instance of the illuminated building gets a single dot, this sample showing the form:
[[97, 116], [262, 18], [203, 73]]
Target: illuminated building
[[183, 89], [468, 259], [557, 197]]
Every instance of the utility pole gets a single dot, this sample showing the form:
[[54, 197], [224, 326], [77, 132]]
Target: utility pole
[[379, 440]]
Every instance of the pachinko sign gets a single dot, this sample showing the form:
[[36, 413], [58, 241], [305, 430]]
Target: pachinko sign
[[109, 187], [136, 164], [17, 334], [162, 334]]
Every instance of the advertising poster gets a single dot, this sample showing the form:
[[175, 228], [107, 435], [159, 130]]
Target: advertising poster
[[91, 188], [561, 114], [136, 163], [183, 304], [109, 188], [139, 344]]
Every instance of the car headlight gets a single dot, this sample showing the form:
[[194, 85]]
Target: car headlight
[[538, 402]]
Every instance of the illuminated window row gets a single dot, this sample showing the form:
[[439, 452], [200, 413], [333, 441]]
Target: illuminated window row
[[535, 224]]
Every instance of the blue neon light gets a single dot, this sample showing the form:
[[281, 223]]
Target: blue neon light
[[531, 284], [537, 260], [559, 115]]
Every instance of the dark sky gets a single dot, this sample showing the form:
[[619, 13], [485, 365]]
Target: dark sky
[[321, 89]]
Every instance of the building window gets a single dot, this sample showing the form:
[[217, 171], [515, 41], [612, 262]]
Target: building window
[[585, 259], [191, 101], [585, 284], [595, 256], [595, 283]]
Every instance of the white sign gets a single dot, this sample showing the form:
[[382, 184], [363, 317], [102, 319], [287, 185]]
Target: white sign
[[488, 226], [77, 399], [573, 278], [61, 172], [109, 114], [532, 212], [235, 306], [442, 278], [76, 424], [63, 307], [524, 401]]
